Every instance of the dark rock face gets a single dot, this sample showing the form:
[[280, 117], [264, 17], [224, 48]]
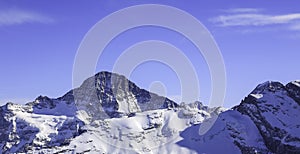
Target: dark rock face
[[108, 95], [5, 126], [45, 102], [294, 90], [274, 109], [114, 85]]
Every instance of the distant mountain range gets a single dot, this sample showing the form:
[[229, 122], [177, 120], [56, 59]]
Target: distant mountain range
[[110, 114]]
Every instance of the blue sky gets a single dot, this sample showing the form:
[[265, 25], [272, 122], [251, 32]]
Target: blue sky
[[259, 41]]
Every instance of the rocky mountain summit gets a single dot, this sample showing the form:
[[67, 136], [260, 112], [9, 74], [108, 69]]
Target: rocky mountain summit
[[110, 114], [109, 95], [274, 109]]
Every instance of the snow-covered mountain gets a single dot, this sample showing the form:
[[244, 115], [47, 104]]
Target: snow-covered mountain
[[266, 121], [274, 109], [110, 114]]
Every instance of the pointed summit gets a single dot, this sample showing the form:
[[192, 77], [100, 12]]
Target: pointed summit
[[107, 95]]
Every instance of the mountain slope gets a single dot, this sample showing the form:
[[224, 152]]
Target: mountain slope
[[232, 133], [266, 121]]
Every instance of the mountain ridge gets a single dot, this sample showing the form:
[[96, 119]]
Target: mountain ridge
[[110, 114]]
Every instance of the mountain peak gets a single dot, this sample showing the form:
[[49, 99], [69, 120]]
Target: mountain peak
[[269, 86], [109, 94], [273, 108]]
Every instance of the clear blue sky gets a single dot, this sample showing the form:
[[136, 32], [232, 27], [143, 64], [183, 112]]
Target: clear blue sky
[[259, 41]]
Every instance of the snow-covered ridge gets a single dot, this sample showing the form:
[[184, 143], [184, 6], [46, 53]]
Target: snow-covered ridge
[[93, 119]]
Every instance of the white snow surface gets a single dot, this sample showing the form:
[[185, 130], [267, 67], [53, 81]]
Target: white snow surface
[[154, 131], [257, 96], [173, 134], [297, 83]]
